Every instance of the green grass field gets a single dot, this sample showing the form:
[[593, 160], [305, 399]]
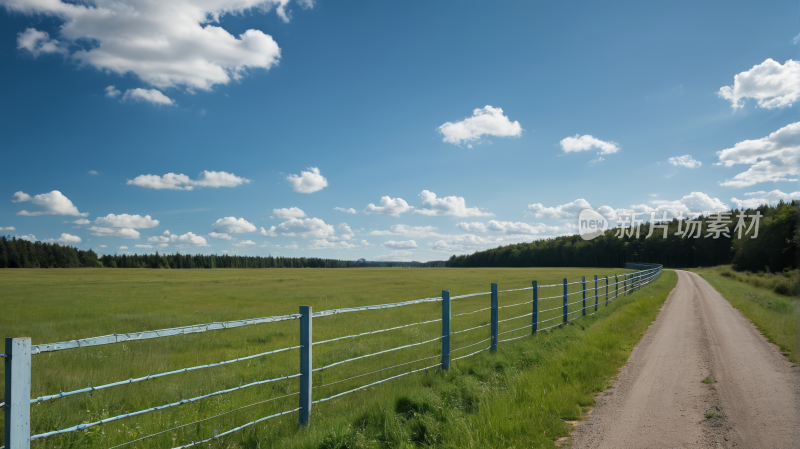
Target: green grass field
[[773, 313], [453, 409]]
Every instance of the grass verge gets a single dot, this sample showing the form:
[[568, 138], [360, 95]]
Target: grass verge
[[772, 312]]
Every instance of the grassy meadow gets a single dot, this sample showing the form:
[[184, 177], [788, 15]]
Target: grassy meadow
[[453, 409], [764, 298]]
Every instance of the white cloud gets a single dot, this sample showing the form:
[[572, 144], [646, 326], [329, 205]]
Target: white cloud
[[123, 247], [8, 228], [166, 44], [327, 244], [38, 42], [232, 225], [608, 212], [308, 181], [53, 203], [389, 206], [94, 172], [172, 181], [410, 231], [396, 256], [771, 84], [219, 235], [144, 246], [587, 142], [292, 212], [307, 227], [695, 202], [474, 226], [244, 243], [762, 197], [345, 233], [511, 227], [450, 205], [187, 240], [684, 161], [347, 211], [111, 92], [268, 233], [124, 221], [290, 247], [149, 95], [400, 245], [81, 221], [487, 121], [568, 210], [103, 246], [66, 238], [163, 238], [126, 233], [29, 237], [772, 158]]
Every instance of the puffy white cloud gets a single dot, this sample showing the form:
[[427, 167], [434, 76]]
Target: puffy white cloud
[[8, 228], [103, 246], [219, 235], [587, 142], [450, 205], [410, 231], [772, 158], [308, 181], [38, 42], [695, 202], [94, 172], [771, 84], [389, 206], [167, 44], [124, 221], [123, 247], [762, 197], [29, 237], [511, 227], [144, 246], [396, 256], [347, 211], [81, 221], [53, 203], [327, 244], [487, 121], [187, 240], [292, 212], [245, 243], [126, 233], [608, 212], [172, 181], [268, 233], [684, 161], [345, 233], [407, 244], [474, 226], [111, 92], [568, 210], [305, 227], [65, 238], [232, 225], [163, 238], [149, 95]]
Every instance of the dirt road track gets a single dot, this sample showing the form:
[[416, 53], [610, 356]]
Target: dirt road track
[[658, 400]]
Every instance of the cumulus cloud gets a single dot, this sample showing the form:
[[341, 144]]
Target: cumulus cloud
[[308, 181], [123, 247], [455, 206], [389, 206], [292, 212], [684, 161], [126, 233], [111, 92], [772, 158], [347, 211], [244, 244], [103, 246], [763, 197], [771, 84], [166, 44], [124, 221], [400, 245], [568, 210], [327, 244], [268, 233], [305, 227], [153, 96], [37, 42], [410, 231], [186, 240], [488, 121], [220, 235], [53, 203], [172, 181], [81, 221], [396, 256], [144, 246], [345, 233], [232, 225], [94, 172], [475, 226], [512, 227], [695, 202], [8, 228], [66, 238], [163, 238], [587, 142]]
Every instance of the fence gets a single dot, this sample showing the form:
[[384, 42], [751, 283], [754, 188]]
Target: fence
[[19, 351]]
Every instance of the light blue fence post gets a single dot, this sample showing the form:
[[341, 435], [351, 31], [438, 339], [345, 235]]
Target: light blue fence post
[[565, 301], [18, 393], [606, 290], [583, 284], [535, 306], [445, 329], [305, 364], [595, 293], [495, 301], [616, 287]]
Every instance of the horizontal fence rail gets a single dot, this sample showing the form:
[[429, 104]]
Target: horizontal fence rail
[[592, 294]]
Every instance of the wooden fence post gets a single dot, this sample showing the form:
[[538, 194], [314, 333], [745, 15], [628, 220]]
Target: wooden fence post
[[18, 393], [445, 329], [305, 364]]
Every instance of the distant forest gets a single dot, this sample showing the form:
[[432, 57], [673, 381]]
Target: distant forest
[[775, 249]]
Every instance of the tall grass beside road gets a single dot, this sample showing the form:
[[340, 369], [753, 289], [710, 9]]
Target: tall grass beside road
[[757, 297]]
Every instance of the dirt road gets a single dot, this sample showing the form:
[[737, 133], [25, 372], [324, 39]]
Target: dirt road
[[659, 401]]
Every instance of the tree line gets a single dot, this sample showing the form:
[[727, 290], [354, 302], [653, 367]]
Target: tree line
[[774, 249]]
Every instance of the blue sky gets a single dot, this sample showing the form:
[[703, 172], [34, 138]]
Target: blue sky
[[481, 123]]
